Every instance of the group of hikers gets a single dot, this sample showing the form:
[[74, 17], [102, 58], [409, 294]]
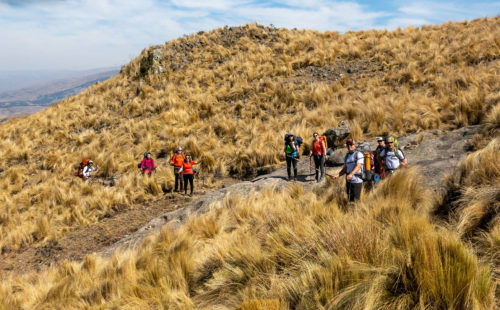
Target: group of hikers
[[182, 163], [360, 165]]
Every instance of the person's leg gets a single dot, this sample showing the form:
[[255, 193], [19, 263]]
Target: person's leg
[[185, 184], [294, 163], [191, 181], [316, 166], [348, 190], [288, 166], [356, 191], [322, 167], [177, 177]]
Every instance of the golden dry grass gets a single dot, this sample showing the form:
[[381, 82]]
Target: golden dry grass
[[281, 250], [229, 95]]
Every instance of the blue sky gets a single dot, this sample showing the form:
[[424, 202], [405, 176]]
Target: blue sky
[[84, 34]]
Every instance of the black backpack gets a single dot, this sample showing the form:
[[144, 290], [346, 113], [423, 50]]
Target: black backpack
[[298, 140]]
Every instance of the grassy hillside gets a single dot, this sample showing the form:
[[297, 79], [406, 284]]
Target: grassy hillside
[[229, 95], [302, 250]]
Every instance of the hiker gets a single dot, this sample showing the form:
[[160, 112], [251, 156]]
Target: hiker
[[318, 150], [177, 161], [378, 160], [88, 169], [147, 164], [292, 154], [392, 156], [188, 173], [353, 168]]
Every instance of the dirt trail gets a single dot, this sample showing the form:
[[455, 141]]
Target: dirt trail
[[437, 154], [113, 227]]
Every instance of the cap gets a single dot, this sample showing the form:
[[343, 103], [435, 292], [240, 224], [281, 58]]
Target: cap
[[379, 139], [390, 139], [349, 142], [179, 148]]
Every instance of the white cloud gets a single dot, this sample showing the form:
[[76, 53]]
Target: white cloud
[[81, 34]]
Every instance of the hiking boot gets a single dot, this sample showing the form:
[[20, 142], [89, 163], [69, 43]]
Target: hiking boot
[[321, 179]]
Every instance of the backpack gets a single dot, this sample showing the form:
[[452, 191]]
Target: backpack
[[367, 170], [84, 163], [298, 140], [324, 140]]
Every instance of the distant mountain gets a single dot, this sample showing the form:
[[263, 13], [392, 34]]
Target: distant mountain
[[34, 98]]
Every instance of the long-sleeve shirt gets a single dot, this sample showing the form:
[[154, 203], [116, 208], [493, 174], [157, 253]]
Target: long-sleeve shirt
[[87, 170], [148, 164]]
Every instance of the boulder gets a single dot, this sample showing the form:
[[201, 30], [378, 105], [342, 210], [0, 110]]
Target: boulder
[[336, 158], [152, 63], [334, 135]]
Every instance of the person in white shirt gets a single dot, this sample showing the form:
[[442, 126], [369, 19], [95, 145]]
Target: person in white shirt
[[393, 158], [353, 169], [88, 169]]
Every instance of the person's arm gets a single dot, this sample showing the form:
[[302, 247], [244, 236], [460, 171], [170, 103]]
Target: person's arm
[[323, 147], [153, 164], [403, 160], [143, 163], [341, 173], [354, 171]]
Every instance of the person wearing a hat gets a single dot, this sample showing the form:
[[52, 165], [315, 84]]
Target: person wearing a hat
[[177, 161], [376, 154], [392, 156], [353, 165], [88, 169]]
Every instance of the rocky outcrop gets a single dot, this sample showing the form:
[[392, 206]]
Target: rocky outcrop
[[153, 62], [334, 135]]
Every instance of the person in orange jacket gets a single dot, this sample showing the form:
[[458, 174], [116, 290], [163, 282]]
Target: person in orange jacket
[[188, 173], [177, 161]]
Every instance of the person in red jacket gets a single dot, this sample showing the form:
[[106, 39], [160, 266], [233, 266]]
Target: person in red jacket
[[318, 150], [177, 161], [147, 164], [188, 173]]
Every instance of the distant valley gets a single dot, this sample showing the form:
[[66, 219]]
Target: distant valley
[[34, 98]]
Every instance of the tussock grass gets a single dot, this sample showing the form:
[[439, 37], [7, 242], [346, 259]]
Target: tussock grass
[[285, 249], [229, 96]]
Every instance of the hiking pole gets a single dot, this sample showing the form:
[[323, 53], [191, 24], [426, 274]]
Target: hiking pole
[[317, 169]]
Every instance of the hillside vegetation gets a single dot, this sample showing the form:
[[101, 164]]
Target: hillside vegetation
[[302, 250], [229, 95]]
